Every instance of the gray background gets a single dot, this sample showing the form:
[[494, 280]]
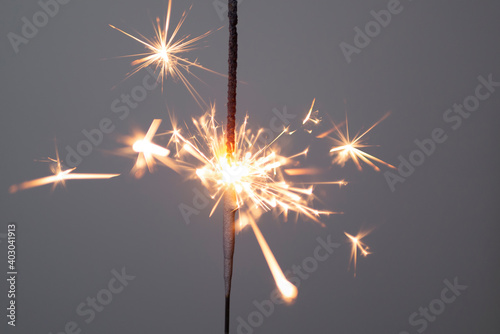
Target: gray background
[[440, 224]]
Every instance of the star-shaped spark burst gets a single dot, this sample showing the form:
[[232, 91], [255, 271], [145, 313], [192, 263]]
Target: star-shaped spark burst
[[146, 154], [350, 148], [59, 178], [166, 53], [357, 244], [148, 151], [256, 173]]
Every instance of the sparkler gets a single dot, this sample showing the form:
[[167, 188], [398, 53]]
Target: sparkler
[[230, 164], [248, 178], [166, 53], [350, 148], [230, 205], [60, 176]]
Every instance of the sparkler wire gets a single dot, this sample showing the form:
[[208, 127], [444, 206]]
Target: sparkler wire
[[230, 195]]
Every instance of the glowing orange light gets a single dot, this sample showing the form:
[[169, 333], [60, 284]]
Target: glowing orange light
[[257, 173], [303, 171]]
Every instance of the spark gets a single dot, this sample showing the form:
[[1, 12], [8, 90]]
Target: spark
[[146, 154], [357, 244], [311, 115], [166, 53], [350, 148], [303, 171], [287, 289], [257, 173], [148, 151], [312, 119], [60, 176]]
